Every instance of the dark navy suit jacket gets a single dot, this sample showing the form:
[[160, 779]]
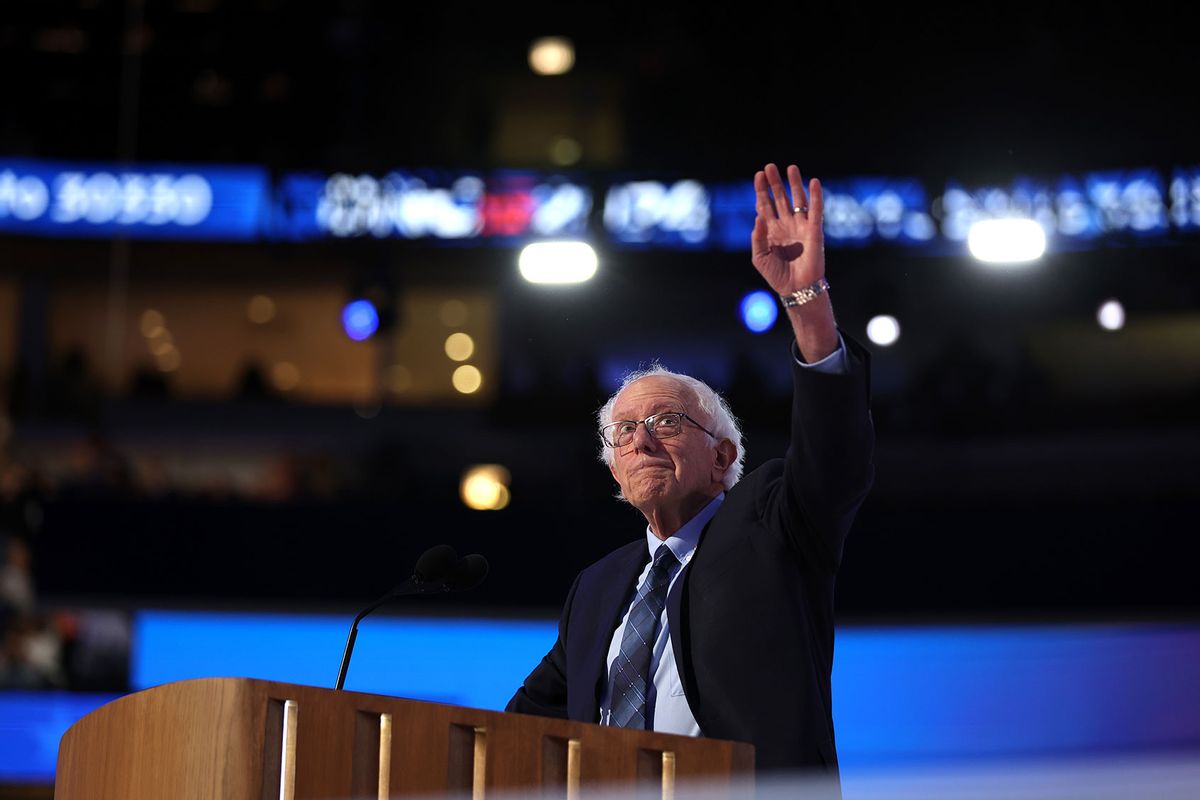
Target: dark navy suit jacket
[[751, 618]]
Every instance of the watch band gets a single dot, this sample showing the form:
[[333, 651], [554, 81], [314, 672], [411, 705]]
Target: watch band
[[802, 296]]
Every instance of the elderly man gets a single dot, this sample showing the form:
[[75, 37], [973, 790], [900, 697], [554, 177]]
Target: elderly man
[[720, 621]]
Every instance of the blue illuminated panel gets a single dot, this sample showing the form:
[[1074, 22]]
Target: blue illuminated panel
[[1133, 202], [959, 693], [61, 199], [147, 202], [432, 205], [858, 211], [902, 696], [31, 725], [650, 212], [1074, 212], [1185, 199], [936, 693], [1067, 207], [466, 662], [877, 210]]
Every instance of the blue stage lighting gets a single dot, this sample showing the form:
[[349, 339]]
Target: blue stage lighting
[[759, 311], [360, 319]]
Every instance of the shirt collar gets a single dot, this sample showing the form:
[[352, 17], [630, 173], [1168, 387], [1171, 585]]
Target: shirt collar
[[683, 542]]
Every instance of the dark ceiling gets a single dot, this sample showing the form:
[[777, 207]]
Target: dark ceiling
[[975, 92]]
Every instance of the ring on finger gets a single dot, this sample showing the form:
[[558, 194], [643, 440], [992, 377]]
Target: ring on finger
[[799, 209]]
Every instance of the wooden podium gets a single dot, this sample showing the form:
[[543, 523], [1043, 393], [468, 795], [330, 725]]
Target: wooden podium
[[235, 739]]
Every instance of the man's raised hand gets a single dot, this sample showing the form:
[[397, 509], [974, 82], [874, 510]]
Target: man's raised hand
[[787, 246]]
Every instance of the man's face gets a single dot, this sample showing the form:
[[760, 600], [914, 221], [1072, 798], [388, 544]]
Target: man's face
[[675, 473]]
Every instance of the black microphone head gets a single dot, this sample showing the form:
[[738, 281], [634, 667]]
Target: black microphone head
[[435, 564], [468, 573]]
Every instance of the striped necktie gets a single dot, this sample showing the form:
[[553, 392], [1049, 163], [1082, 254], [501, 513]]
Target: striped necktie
[[631, 668]]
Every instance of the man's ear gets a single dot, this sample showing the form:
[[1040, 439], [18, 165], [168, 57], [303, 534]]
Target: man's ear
[[725, 456]]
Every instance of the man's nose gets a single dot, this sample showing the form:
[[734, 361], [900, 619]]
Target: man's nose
[[642, 439]]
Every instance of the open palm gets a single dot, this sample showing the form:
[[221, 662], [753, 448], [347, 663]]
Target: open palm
[[787, 246]]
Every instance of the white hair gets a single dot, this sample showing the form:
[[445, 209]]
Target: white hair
[[721, 421]]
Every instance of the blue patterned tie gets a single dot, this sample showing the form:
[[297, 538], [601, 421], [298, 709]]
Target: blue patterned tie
[[631, 668]]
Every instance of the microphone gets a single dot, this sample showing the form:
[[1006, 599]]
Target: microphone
[[433, 565], [467, 573], [438, 570]]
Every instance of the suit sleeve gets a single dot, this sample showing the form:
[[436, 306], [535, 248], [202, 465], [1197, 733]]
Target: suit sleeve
[[829, 466], [544, 692]]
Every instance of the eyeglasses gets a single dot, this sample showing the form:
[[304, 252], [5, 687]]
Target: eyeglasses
[[660, 426]]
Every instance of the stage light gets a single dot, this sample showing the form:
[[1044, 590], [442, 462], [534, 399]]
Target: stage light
[[557, 262], [883, 330], [152, 322], [162, 344], [551, 55], [759, 311], [261, 309], [467, 379], [360, 319], [459, 346], [1006, 241], [1111, 315], [285, 376], [484, 487]]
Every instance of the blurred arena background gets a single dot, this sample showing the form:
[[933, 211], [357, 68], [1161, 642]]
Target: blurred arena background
[[269, 329]]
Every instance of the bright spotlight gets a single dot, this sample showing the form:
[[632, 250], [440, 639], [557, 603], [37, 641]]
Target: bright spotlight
[[1006, 241], [1111, 315], [883, 330], [557, 262], [484, 487], [459, 346], [467, 379], [759, 311], [360, 319], [551, 55]]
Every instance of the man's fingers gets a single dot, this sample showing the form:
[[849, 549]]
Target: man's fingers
[[758, 237], [782, 207], [816, 209], [799, 198], [762, 198]]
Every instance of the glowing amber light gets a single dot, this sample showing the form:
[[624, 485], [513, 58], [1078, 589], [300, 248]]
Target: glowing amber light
[[161, 342], [467, 379], [285, 375], [484, 487], [459, 346], [551, 55]]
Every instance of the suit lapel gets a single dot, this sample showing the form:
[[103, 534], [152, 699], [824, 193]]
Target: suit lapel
[[612, 600]]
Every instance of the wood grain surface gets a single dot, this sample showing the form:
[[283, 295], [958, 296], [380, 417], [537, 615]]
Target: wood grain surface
[[219, 739]]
